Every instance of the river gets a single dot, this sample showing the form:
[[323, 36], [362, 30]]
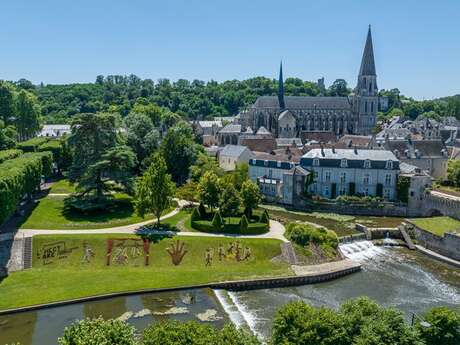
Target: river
[[392, 276]]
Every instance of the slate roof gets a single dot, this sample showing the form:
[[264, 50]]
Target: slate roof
[[233, 150], [349, 141], [208, 124], [258, 144], [281, 142], [426, 148], [231, 128], [355, 158], [321, 137], [304, 102], [263, 130], [367, 62], [429, 148]]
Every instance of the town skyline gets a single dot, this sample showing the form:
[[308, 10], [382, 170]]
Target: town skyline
[[61, 44]]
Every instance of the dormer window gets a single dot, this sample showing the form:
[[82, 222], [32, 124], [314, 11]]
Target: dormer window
[[367, 164], [389, 165], [316, 162], [343, 163], [266, 163], [278, 164]]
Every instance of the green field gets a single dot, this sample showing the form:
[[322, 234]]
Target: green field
[[438, 225], [63, 274], [62, 187], [50, 213]]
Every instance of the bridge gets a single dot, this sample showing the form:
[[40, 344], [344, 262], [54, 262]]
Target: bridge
[[438, 203]]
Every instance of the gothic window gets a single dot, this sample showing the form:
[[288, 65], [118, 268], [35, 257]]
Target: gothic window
[[370, 86], [372, 107], [365, 106]]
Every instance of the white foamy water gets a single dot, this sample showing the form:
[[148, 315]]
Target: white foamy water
[[390, 276]]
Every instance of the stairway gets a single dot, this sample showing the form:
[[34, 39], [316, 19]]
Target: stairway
[[407, 238], [288, 252], [27, 260]]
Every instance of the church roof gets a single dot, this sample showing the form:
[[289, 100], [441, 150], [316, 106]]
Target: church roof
[[263, 130], [367, 63], [285, 114], [304, 102], [231, 128]]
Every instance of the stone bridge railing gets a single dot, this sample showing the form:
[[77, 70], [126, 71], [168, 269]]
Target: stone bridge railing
[[446, 204]]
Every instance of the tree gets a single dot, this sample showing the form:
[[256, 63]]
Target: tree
[[339, 88], [453, 172], [8, 136], [203, 164], [194, 333], [7, 106], [444, 327], [209, 189], [141, 135], [27, 120], [98, 331], [154, 189], [229, 201], [179, 151], [250, 197], [100, 161], [151, 110]]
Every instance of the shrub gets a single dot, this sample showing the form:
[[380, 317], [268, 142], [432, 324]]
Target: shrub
[[194, 333], [21, 176], [264, 218], [444, 329], [202, 211], [195, 215], [303, 234], [97, 332], [9, 154], [217, 221], [244, 223], [32, 145]]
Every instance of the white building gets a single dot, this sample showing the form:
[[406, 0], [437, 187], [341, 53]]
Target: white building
[[54, 131], [231, 155], [352, 172]]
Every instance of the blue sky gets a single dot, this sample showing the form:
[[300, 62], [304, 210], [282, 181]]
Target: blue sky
[[417, 43]]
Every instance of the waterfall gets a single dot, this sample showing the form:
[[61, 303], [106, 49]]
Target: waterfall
[[360, 251]]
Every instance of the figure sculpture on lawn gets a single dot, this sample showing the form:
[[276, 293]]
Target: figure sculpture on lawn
[[177, 252]]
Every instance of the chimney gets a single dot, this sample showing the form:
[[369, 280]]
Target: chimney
[[356, 150], [333, 148], [322, 149]]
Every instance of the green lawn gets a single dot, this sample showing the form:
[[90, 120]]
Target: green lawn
[[62, 187], [65, 275], [438, 225], [342, 225], [50, 213]]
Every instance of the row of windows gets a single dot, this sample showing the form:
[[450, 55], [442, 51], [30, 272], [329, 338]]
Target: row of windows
[[342, 190], [343, 177], [367, 163]]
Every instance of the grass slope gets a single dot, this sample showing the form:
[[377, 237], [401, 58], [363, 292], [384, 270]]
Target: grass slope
[[50, 213], [438, 225], [69, 277]]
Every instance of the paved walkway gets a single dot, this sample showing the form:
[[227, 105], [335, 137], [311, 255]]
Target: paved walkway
[[328, 267], [438, 256]]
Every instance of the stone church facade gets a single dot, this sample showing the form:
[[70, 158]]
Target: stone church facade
[[288, 116]]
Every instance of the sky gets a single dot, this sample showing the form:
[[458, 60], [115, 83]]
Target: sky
[[416, 42]]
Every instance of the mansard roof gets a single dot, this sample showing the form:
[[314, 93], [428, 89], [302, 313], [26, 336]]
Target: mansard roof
[[305, 102], [367, 63]]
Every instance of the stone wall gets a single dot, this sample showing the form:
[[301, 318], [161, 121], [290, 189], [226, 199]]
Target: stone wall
[[383, 209], [379, 233], [448, 245]]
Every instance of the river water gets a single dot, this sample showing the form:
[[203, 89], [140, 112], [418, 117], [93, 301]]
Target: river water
[[392, 276]]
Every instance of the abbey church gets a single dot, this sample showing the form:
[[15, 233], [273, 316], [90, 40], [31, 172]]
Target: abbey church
[[289, 116]]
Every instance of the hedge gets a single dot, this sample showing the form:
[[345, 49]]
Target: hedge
[[253, 228], [32, 145], [20, 176], [9, 154]]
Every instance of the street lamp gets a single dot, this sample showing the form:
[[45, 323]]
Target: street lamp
[[423, 323]]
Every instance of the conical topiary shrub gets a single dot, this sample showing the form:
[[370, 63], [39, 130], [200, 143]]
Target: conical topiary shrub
[[195, 215], [202, 211], [265, 218], [217, 222], [244, 224]]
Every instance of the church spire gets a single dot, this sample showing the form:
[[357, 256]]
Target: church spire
[[367, 63], [281, 87]]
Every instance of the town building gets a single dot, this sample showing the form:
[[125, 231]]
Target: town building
[[352, 172], [289, 116], [232, 155], [208, 130], [54, 131]]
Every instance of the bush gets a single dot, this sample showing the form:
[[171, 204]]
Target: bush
[[32, 145], [303, 234], [217, 221], [244, 223], [9, 154], [444, 329], [21, 176], [265, 218], [202, 211], [97, 332], [194, 333], [195, 215]]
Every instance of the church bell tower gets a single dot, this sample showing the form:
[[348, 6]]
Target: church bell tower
[[365, 101]]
